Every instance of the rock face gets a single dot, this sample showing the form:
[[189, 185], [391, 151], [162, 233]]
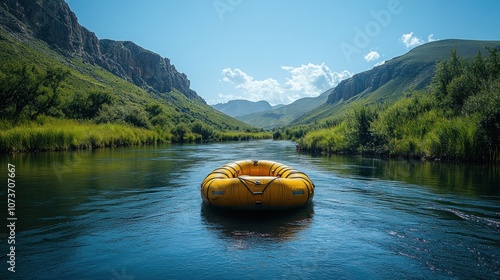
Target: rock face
[[144, 68], [416, 75], [53, 22]]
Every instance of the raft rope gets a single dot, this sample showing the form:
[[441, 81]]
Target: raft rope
[[244, 181]]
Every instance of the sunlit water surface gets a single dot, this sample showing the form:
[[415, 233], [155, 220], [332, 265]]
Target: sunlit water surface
[[136, 213]]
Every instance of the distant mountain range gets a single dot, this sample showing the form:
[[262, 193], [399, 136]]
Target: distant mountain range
[[285, 114], [239, 107], [382, 84]]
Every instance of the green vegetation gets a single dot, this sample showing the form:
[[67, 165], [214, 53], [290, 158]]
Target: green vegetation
[[391, 81], [55, 134], [456, 118], [55, 102]]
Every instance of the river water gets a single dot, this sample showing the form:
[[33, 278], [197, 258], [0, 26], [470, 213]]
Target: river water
[[136, 213]]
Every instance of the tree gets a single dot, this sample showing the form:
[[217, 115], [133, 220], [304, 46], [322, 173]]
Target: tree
[[206, 131], [478, 68], [27, 92], [137, 116], [493, 63], [360, 134], [87, 106], [180, 131], [446, 71]]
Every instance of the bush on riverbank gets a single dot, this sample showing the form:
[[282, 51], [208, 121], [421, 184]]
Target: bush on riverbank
[[456, 118]]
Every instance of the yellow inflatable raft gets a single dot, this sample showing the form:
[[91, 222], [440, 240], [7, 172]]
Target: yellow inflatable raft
[[256, 184]]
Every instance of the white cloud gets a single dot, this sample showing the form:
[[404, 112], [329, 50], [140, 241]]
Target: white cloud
[[371, 56], [430, 38], [379, 63], [410, 40], [252, 89], [236, 77], [312, 79], [305, 80]]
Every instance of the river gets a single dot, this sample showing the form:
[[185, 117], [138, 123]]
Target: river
[[136, 213]]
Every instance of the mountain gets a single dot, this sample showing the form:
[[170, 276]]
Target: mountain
[[54, 22], [285, 114], [236, 108], [386, 83], [107, 82]]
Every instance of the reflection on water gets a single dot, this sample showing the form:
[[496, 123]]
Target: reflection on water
[[136, 213], [277, 226], [442, 177]]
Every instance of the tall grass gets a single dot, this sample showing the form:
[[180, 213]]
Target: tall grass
[[404, 130], [457, 138], [328, 140], [52, 134]]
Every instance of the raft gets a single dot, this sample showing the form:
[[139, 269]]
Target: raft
[[256, 185]]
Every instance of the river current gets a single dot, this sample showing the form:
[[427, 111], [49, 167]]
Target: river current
[[136, 213]]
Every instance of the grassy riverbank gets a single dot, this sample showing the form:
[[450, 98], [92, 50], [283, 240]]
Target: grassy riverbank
[[70, 134], [456, 118], [49, 134]]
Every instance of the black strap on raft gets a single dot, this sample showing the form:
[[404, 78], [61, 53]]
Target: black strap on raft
[[243, 181], [255, 162]]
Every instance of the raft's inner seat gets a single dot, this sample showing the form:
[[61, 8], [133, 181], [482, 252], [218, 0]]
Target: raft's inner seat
[[257, 180], [250, 177], [263, 184], [256, 168]]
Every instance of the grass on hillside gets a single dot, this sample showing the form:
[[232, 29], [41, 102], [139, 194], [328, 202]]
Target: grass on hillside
[[93, 107], [456, 118]]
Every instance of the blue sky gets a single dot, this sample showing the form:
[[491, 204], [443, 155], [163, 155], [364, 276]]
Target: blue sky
[[282, 50]]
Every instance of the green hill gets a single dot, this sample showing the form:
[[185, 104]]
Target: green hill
[[388, 82], [56, 76], [381, 85], [456, 117]]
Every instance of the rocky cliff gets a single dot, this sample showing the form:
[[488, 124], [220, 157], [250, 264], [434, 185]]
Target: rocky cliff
[[53, 22], [416, 75], [144, 68], [389, 82], [411, 70]]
